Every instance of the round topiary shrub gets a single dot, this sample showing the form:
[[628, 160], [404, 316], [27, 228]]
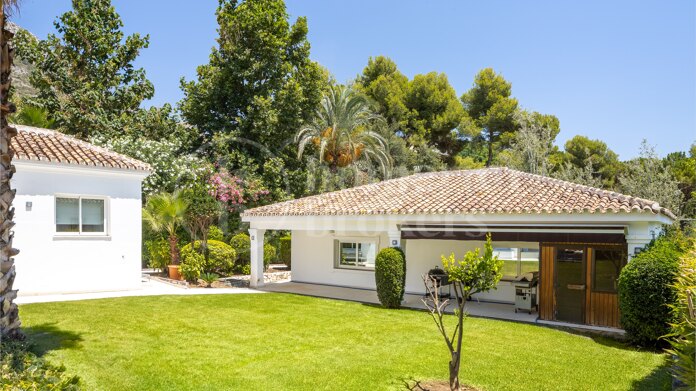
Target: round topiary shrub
[[646, 292], [241, 244], [390, 276], [221, 258], [285, 250]]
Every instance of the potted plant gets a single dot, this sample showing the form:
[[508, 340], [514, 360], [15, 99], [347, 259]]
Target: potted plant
[[165, 212]]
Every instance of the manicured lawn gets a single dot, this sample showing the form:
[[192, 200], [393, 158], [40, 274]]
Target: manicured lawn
[[286, 342]]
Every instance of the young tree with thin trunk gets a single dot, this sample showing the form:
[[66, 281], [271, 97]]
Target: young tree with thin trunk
[[9, 313], [472, 274]]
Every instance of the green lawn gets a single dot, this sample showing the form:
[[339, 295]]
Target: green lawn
[[287, 342]]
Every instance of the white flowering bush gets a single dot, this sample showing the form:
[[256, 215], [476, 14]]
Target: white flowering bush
[[171, 170]]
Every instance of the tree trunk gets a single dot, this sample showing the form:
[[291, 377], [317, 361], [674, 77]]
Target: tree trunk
[[9, 313], [454, 372], [173, 249], [490, 149]]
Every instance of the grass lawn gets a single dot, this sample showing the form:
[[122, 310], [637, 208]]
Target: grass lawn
[[287, 342]]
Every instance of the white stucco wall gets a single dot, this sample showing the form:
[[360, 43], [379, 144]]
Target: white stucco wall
[[313, 261], [53, 263]]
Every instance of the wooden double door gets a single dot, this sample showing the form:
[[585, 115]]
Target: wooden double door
[[578, 283]]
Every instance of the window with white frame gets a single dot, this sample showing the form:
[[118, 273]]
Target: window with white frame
[[355, 254], [517, 261], [80, 215]]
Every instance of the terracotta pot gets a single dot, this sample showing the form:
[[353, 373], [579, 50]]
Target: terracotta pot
[[174, 272]]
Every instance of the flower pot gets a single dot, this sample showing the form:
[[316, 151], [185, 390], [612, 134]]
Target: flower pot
[[174, 272]]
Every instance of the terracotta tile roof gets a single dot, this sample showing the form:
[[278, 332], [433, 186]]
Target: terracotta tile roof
[[483, 191], [44, 145]]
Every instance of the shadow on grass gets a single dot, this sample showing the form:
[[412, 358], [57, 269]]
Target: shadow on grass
[[658, 379], [46, 337]]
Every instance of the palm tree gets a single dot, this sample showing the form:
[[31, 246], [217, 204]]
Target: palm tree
[[33, 116], [166, 212], [343, 131], [9, 313]]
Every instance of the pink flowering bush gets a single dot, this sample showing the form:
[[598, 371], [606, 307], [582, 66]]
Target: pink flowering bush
[[234, 192]]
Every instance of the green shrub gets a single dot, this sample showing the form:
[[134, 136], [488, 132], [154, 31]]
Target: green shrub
[[192, 263], [390, 276], [683, 337], [220, 259], [215, 233], [284, 250], [209, 278], [646, 290], [158, 253], [242, 245], [269, 254], [243, 269], [23, 370]]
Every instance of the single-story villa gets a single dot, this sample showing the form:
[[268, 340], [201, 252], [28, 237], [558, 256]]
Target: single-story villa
[[77, 215], [576, 237]]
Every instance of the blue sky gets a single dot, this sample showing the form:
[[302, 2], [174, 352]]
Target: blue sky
[[619, 71]]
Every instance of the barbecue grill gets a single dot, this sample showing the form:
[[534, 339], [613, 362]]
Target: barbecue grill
[[526, 291], [441, 279]]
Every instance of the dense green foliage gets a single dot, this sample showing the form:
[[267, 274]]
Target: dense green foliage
[[217, 257], [256, 92], [683, 335], [20, 369], [269, 254], [285, 250], [215, 233], [646, 289], [492, 108], [390, 276], [230, 337], [242, 245], [85, 76], [158, 253]]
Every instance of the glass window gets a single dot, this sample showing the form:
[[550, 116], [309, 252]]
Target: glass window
[[80, 215], [92, 215], [517, 261], [607, 266], [357, 254], [67, 215]]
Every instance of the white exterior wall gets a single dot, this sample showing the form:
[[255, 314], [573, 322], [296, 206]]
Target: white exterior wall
[[313, 261], [57, 263]]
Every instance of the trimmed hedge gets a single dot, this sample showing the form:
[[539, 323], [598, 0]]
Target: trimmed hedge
[[220, 259], [284, 250], [390, 276], [646, 290]]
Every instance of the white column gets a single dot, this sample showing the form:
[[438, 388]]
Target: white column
[[256, 255], [639, 235], [394, 238]]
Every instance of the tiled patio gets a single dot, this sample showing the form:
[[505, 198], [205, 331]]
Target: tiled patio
[[474, 308]]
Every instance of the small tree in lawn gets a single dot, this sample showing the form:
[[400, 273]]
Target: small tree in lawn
[[472, 274]]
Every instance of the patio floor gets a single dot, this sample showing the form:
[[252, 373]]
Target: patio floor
[[473, 308]]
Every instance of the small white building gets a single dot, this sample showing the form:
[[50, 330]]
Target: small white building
[[576, 238], [77, 214]]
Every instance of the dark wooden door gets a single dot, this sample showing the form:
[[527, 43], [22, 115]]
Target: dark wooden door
[[570, 286]]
